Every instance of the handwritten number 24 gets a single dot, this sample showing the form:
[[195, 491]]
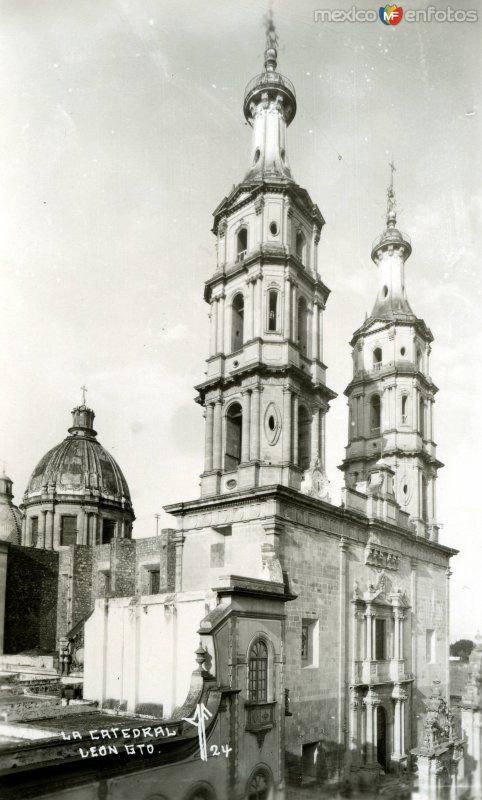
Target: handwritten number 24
[[225, 750]]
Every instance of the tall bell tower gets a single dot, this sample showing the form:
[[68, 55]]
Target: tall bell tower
[[265, 396], [391, 394]]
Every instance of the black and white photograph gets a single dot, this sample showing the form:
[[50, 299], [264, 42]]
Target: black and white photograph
[[240, 428]]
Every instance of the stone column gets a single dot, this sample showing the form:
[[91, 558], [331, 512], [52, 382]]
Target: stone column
[[315, 436], [215, 323], [401, 649], [286, 430], [258, 306], [354, 727], [294, 311], [415, 409], [287, 308], [315, 347], [369, 616], [250, 311], [223, 243], [400, 698], [323, 440], [218, 434], [259, 207], [208, 438], [396, 636], [320, 335], [41, 529], [255, 417], [221, 301], [371, 703], [314, 248], [49, 529], [93, 528], [84, 537], [56, 531], [246, 431], [295, 429]]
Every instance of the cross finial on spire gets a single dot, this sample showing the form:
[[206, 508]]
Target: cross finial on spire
[[391, 215], [83, 389]]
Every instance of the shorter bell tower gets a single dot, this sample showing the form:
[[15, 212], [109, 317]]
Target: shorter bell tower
[[391, 395], [265, 395]]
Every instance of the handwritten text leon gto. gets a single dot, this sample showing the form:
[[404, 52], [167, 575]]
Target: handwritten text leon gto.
[[108, 749]]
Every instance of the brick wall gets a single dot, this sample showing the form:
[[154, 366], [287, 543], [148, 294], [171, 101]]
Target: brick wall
[[159, 553], [31, 599]]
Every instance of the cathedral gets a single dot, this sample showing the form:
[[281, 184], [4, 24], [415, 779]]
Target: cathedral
[[328, 623]]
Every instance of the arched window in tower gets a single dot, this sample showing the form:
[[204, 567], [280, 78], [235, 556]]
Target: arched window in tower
[[273, 310], [301, 246], [304, 437], [377, 358], [241, 244], [421, 417], [234, 429], [404, 409], [303, 326], [375, 413], [258, 672], [237, 322]]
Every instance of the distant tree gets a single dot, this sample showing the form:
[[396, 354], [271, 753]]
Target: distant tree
[[462, 648]]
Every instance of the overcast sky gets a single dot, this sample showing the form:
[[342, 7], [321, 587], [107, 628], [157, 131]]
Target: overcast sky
[[122, 130]]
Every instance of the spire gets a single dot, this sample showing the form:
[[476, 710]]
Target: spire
[[389, 252], [269, 107]]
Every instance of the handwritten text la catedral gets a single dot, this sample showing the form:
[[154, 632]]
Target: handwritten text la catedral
[[119, 733]]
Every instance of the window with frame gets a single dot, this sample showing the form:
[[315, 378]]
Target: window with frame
[[404, 409], [377, 358], [241, 244], [237, 322], [33, 531], [309, 642], [258, 672], [375, 413], [380, 639], [154, 581], [108, 530], [273, 322], [68, 530], [430, 646], [234, 436]]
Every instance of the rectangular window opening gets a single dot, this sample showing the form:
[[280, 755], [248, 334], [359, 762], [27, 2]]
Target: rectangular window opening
[[380, 639], [68, 530]]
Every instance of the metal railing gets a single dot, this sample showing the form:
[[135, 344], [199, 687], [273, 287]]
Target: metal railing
[[269, 79], [241, 255], [391, 235]]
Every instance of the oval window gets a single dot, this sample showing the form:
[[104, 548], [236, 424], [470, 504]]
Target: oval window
[[273, 228], [272, 423], [402, 351], [257, 154], [385, 291]]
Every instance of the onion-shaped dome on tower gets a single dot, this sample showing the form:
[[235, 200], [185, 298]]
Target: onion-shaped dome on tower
[[77, 493], [10, 515]]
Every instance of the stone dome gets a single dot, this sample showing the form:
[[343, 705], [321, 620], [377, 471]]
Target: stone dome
[[79, 467], [10, 515]]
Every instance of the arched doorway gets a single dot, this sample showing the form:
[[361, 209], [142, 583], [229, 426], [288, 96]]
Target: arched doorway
[[382, 736]]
